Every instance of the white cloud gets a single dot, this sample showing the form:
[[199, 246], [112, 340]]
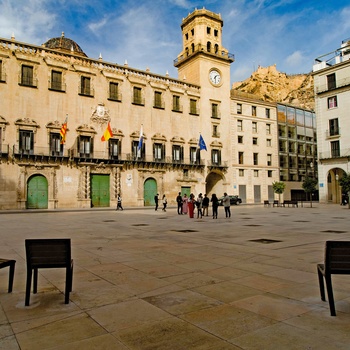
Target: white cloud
[[295, 59], [27, 19]]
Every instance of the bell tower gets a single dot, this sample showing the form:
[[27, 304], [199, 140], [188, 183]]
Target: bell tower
[[203, 59]]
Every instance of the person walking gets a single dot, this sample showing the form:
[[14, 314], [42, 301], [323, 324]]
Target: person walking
[[156, 200], [226, 203], [119, 205], [179, 203], [191, 203], [185, 204], [215, 204], [205, 204], [164, 202]]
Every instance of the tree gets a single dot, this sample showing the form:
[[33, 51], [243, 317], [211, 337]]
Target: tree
[[344, 182], [309, 186], [278, 187]]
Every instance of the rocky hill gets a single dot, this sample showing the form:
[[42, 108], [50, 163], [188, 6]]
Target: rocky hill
[[268, 84]]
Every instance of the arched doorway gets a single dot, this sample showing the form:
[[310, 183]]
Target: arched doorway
[[37, 192], [214, 184], [333, 188], [149, 191]]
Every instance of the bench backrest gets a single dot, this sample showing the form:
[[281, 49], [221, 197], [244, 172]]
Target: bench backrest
[[47, 253], [337, 257]]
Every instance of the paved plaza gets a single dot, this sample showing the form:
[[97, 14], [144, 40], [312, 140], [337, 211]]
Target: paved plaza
[[147, 280]]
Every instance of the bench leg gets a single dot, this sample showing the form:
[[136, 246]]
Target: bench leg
[[35, 282], [12, 275], [330, 294], [28, 285], [321, 284]]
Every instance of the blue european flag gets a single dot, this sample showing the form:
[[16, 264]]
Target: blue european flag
[[201, 143]]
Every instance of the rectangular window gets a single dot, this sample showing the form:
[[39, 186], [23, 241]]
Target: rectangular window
[[256, 173], [240, 158], [27, 77], [255, 158], [254, 111], [114, 149], [56, 148], [216, 157], [241, 172], [137, 96], [177, 153], [114, 91], [26, 142], [268, 143], [333, 127], [176, 104], [158, 152], [335, 149], [331, 83], [194, 155], [268, 129], [255, 127], [332, 102], [158, 101], [216, 131], [214, 110], [85, 86], [240, 139], [239, 108], [85, 146], [136, 153], [255, 140], [56, 81], [193, 107], [269, 159], [208, 30], [267, 113], [239, 125], [269, 173]]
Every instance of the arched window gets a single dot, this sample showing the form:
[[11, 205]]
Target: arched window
[[208, 46], [216, 48]]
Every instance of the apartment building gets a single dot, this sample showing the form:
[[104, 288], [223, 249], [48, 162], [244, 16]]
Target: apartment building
[[331, 74]]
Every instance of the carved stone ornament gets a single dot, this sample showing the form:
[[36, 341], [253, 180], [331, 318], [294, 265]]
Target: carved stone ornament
[[100, 114]]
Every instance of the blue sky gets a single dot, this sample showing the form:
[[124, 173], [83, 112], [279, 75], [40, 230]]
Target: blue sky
[[147, 33]]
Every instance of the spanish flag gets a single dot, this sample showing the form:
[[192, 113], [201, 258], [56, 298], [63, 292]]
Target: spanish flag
[[107, 134], [63, 131]]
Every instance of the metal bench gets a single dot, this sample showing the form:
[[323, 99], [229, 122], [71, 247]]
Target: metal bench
[[336, 262], [47, 254], [11, 264]]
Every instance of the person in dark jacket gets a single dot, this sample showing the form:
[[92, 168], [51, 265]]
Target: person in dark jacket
[[156, 200], [215, 204]]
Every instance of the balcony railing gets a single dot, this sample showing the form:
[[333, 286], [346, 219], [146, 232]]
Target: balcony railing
[[57, 86], [39, 152], [333, 133], [334, 154], [203, 49], [338, 84]]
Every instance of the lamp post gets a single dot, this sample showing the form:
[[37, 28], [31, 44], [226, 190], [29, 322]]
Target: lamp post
[[336, 186]]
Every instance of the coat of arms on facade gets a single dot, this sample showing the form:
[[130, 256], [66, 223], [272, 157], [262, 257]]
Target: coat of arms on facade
[[100, 114]]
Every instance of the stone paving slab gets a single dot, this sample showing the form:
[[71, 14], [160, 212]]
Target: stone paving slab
[[158, 280]]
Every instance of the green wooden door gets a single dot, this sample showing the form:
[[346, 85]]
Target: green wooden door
[[37, 192], [149, 191], [100, 190]]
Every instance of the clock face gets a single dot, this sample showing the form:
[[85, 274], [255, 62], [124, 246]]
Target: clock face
[[215, 77]]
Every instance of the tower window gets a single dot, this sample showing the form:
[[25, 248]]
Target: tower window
[[216, 32], [208, 30], [186, 36], [208, 46], [192, 32]]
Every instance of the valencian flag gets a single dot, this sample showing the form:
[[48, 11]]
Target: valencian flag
[[63, 131], [107, 134], [201, 143], [139, 146]]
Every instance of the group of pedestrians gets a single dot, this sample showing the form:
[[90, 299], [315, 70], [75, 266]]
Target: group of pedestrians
[[164, 202], [188, 204]]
